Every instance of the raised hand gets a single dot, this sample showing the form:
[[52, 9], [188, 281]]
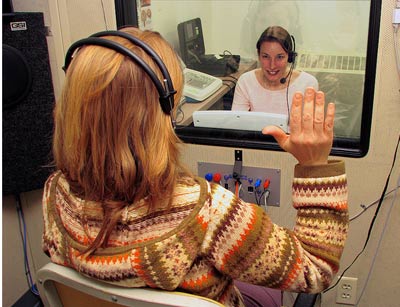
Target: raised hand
[[311, 131]]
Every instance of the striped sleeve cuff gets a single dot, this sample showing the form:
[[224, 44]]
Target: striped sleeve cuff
[[333, 168]]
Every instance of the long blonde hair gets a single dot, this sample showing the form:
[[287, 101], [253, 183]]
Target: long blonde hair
[[112, 140]]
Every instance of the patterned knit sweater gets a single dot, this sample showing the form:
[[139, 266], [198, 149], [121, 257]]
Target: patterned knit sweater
[[207, 239]]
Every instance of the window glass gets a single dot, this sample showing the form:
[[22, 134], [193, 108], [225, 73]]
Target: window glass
[[335, 41]]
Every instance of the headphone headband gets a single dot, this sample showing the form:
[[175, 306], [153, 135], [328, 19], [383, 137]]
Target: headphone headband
[[146, 48], [166, 91]]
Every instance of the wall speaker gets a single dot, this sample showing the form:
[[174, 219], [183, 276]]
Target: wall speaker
[[28, 100]]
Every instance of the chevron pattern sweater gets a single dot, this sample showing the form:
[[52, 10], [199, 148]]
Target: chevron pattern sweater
[[207, 239]]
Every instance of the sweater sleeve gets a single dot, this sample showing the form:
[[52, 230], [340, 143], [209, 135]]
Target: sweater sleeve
[[243, 243]]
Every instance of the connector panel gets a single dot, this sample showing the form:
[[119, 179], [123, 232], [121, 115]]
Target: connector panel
[[255, 185]]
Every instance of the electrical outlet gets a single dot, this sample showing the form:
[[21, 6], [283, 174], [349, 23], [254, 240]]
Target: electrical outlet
[[347, 291]]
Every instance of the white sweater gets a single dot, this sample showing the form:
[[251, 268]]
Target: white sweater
[[251, 96]]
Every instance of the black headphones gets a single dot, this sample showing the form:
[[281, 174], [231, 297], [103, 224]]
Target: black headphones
[[165, 87], [292, 49], [291, 59]]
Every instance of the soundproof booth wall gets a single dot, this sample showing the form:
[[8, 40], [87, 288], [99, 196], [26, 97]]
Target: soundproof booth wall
[[28, 100]]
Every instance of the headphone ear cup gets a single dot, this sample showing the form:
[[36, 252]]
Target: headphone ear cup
[[292, 56]]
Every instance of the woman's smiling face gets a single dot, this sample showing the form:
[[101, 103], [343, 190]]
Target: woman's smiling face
[[273, 59]]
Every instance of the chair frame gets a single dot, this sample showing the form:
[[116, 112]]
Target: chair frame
[[61, 286]]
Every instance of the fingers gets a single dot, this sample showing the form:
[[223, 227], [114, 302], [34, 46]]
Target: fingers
[[279, 135], [319, 113], [323, 124], [311, 131], [309, 116], [329, 119], [308, 111], [295, 113]]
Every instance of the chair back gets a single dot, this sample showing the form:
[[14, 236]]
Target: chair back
[[61, 286]]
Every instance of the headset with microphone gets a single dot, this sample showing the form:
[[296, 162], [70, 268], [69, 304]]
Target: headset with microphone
[[291, 58], [164, 87]]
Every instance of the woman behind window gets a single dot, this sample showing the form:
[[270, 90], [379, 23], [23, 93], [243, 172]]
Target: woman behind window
[[270, 88]]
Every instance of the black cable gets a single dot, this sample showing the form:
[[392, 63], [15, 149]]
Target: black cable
[[233, 77], [366, 207], [287, 91], [287, 103], [373, 219], [22, 229], [180, 112], [231, 81], [234, 81], [255, 196]]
